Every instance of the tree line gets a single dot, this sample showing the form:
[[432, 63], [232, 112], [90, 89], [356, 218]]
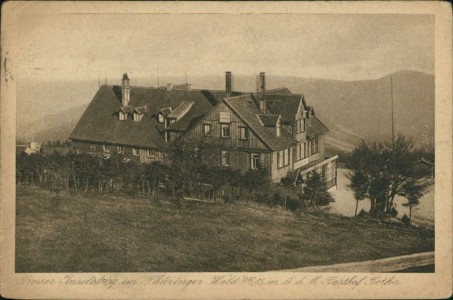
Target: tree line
[[188, 172]]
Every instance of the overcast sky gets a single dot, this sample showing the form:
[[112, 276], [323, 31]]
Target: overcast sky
[[334, 46]]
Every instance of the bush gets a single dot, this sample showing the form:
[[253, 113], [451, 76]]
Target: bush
[[275, 200], [405, 220], [292, 204], [261, 198], [362, 213], [393, 212]]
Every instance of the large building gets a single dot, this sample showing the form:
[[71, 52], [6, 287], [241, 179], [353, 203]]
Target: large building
[[271, 128]]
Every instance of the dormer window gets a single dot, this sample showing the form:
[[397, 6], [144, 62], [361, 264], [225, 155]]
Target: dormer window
[[106, 148], [162, 114], [137, 117], [124, 112], [139, 112], [300, 125], [119, 149]]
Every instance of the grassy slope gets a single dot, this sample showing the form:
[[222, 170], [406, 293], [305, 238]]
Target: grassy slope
[[126, 234]]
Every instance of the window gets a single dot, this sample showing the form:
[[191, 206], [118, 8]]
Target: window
[[135, 152], [161, 118], [137, 117], [305, 150], [225, 158], [92, 147], [119, 149], [286, 157], [282, 158], [301, 151], [150, 153], [314, 146], [254, 160], [106, 148], [206, 129], [243, 133], [300, 125], [224, 117], [122, 116], [225, 130]]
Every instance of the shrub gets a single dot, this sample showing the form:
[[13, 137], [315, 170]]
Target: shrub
[[405, 220], [393, 212], [292, 204], [362, 213], [261, 198], [275, 200]]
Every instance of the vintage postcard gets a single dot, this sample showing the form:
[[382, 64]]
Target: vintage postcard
[[226, 150]]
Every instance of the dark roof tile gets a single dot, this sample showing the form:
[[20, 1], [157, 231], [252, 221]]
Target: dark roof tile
[[244, 106], [284, 105], [279, 91], [141, 110], [315, 127], [269, 120], [100, 122]]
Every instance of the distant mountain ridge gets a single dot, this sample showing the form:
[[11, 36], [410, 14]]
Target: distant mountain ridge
[[350, 109]]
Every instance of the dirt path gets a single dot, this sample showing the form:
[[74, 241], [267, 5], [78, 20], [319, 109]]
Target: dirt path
[[385, 265]]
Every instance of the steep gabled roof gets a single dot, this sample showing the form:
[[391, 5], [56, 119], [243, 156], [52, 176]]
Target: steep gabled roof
[[268, 120], [244, 106], [126, 109], [100, 122], [181, 110], [165, 111], [284, 105], [315, 127], [181, 87], [141, 110], [279, 91]]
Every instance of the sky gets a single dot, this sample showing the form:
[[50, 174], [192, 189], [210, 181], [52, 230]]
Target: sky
[[331, 46]]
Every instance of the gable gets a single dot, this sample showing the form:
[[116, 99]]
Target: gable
[[222, 114]]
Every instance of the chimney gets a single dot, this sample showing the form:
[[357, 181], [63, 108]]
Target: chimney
[[229, 84], [169, 86], [125, 90], [278, 127], [262, 92]]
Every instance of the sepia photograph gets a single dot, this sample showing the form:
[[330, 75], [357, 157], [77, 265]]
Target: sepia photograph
[[225, 143]]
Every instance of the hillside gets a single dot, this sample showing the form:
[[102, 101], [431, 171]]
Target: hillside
[[116, 233], [351, 109]]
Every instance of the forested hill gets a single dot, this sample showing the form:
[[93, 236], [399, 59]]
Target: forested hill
[[351, 109], [354, 109]]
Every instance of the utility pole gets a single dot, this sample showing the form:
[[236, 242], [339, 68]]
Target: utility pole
[[393, 125]]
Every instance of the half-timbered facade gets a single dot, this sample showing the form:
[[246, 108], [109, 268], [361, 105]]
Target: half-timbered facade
[[274, 129]]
